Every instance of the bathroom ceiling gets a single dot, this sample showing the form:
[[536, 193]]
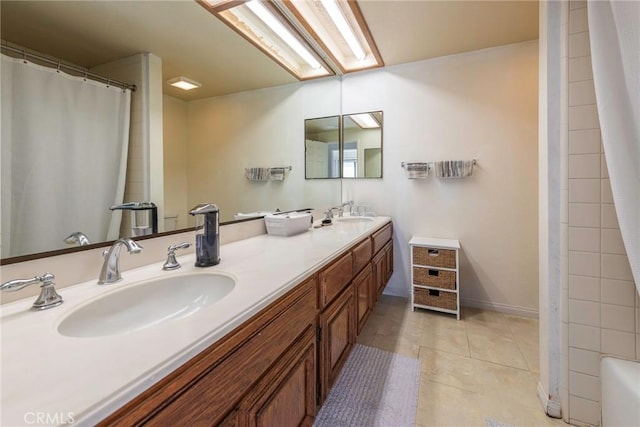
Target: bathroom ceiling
[[195, 44]]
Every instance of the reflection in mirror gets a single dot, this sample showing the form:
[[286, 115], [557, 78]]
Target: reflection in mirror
[[322, 147], [224, 134], [362, 145]]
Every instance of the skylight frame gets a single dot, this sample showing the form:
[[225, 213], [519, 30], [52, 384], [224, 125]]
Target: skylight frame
[[318, 28], [282, 54]]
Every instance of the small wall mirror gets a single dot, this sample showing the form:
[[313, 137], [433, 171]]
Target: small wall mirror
[[322, 147], [362, 145]]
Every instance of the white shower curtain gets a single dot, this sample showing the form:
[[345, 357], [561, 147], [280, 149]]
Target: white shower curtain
[[614, 28], [64, 154]]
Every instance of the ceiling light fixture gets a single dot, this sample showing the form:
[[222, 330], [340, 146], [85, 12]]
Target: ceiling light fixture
[[343, 26], [365, 121], [270, 20], [184, 83], [263, 24], [339, 29]]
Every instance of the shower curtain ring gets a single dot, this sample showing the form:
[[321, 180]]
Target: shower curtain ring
[[24, 56], [59, 63], [86, 72], [108, 82]]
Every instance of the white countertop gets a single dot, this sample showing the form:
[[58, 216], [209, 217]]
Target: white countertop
[[64, 379]]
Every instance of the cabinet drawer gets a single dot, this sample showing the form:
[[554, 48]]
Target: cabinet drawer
[[361, 255], [435, 298], [381, 237], [433, 277], [434, 257], [334, 278]]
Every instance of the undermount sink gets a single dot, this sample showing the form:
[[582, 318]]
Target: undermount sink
[[354, 219], [146, 303]]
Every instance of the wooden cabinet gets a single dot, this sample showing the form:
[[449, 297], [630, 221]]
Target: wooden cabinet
[[337, 336], [364, 294], [276, 368], [382, 264], [435, 274], [287, 395], [206, 389]]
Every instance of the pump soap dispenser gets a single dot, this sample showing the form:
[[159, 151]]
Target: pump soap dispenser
[[207, 234], [144, 217]]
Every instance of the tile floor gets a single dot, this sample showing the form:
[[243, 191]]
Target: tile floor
[[483, 366]]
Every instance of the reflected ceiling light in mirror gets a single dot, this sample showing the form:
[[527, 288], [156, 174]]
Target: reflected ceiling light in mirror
[[340, 30], [262, 24], [184, 83], [365, 121]]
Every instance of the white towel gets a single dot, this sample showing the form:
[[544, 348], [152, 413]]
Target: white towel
[[454, 168], [257, 174], [416, 170], [276, 174]]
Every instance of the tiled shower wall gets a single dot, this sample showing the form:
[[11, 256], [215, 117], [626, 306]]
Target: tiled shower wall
[[601, 309]]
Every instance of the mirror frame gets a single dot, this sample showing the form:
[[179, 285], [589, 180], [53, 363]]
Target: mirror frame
[[341, 143]]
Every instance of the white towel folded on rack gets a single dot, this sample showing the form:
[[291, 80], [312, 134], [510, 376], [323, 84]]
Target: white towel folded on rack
[[257, 174], [454, 168], [416, 170], [276, 174]]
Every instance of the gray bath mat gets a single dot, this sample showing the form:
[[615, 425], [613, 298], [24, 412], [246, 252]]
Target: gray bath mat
[[375, 388], [493, 423]]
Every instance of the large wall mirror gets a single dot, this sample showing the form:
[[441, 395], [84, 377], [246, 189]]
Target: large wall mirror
[[221, 136], [347, 146]]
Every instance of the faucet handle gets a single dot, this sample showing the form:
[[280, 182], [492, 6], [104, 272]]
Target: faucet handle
[[172, 263], [48, 296]]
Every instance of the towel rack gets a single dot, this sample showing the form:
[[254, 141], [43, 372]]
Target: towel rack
[[403, 164], [266, 174]]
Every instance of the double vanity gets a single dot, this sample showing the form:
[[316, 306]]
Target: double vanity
[[258, 339]]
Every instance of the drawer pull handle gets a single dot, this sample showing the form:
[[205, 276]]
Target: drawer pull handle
[[433, 252], [434, 272], [434, 293]]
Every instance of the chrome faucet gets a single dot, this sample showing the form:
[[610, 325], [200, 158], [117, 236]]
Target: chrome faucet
[[340, 210], [48, 296], [78, 237], [172, 263], [110, 272], [341, 207]]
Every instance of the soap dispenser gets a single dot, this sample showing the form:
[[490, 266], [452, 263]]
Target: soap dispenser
[[144, 217], [207, 234]]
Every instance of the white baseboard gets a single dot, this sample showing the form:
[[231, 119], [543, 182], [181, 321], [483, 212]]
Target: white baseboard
[[551, 408], [502, 308]]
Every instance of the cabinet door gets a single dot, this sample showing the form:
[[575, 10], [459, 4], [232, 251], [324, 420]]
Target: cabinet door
[[337, 336], [388, 251], [379, 272], [363, 287], [287, 395]]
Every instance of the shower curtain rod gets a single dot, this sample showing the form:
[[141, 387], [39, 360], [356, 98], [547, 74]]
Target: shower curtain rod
[[58, 64]]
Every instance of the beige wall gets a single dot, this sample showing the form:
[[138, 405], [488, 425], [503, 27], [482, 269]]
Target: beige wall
[[480, 105], [600, 302], [175, 159], [262, 128]]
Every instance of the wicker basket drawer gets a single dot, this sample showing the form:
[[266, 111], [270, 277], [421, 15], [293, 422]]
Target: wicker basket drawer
[[434, 298], [444, 279], [434, 257]]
